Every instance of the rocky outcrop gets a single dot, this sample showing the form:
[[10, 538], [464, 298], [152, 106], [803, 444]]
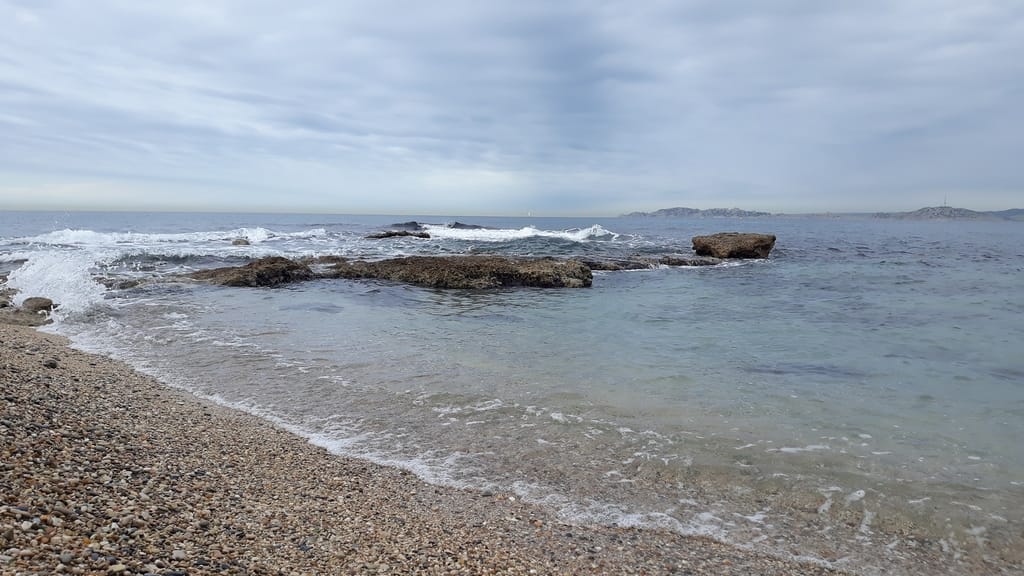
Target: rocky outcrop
[[32, 312], [734, 245], [397, 233], [240, 242], [271, 271], [432, 271], [476, 272]]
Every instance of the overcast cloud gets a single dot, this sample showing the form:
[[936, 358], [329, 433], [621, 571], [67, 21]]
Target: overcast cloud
[[472, 107]]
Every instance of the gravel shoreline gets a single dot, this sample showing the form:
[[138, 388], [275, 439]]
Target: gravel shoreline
[[105, 471]]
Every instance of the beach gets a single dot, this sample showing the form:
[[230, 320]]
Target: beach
[[105, 470]]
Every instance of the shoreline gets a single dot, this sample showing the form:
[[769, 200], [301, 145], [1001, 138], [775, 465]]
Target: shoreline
[[106, 470]]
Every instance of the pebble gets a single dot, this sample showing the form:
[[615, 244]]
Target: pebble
[[260, 505]]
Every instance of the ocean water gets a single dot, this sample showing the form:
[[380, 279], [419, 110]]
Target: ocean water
[[857, 398]]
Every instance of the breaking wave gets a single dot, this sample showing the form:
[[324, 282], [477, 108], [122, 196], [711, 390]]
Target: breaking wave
[[595, 232]]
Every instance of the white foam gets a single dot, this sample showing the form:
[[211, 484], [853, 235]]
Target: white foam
[[64, 277], [69, 237], [595, 232], [796, 450]]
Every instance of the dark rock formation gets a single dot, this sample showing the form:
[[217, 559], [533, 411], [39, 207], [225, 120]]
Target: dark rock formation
[[469, 271], [38, 304], [270, 271], [734, 245], [461, 226], [240, 242], [410, 225], [397, 233]]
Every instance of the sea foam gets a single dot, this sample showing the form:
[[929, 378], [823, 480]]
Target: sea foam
[[63, 277], [595, 232]]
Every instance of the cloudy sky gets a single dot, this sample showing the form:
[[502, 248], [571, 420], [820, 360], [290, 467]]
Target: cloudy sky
[[569, 107]]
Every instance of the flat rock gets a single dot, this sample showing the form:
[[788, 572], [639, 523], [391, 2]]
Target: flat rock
[[473, 272], [270, 271], [734, 245], [642, 263]]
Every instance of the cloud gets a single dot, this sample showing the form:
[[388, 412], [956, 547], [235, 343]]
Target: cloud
[[573, 106]]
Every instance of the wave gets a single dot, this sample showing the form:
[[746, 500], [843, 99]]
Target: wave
[[595, 232], [69, 237], [64, 277]]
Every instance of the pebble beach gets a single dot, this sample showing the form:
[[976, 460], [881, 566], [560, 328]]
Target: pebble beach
[[104, 470]]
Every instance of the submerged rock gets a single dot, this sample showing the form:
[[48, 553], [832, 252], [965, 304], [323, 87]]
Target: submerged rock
[[681, 261], [270, 271], [394, 233], [469, 271], [734, 245], [641, 263]]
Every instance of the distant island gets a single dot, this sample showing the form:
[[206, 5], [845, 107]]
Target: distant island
[[951, 213], [681, 212], [927, 213]]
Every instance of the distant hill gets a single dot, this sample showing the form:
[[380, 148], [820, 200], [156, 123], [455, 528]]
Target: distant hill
[[1012, 214], [951, 213], [681, 212]]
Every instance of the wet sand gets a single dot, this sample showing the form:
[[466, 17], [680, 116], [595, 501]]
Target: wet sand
[[104, 470]]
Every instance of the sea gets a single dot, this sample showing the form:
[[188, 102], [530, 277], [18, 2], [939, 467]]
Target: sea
[[855, 399]]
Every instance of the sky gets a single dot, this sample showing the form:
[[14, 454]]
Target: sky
[[526, 107]]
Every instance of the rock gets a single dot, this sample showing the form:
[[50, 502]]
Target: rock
[[410, 225], [470, 271], [118, 283], [50, 363], [117, 568], [38, 304], [19, 317], [270, 271], [240, 242], [179, 555], [6, 295], [397, 233], [640, 263], [460, 226], [734, 245], [679, 261]]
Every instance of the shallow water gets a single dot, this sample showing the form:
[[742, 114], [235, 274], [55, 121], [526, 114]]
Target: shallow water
[[856, 398]]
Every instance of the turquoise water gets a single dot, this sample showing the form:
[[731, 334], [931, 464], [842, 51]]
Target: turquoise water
[[856, 398]]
